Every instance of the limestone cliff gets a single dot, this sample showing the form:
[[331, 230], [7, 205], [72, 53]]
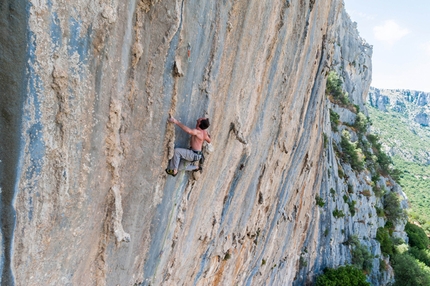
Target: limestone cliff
[[85, 199], [410, 103]]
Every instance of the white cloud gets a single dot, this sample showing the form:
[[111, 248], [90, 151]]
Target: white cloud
[[390, 32]]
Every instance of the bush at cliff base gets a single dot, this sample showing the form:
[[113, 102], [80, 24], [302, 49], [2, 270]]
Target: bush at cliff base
[[408, 271], [342, 276], [417, 236]]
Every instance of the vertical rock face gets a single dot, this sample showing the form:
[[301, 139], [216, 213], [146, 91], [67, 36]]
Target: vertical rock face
[[349, 196], [13, 38], [93, 203]]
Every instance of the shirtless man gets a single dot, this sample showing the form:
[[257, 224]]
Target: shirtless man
[[198, 136]]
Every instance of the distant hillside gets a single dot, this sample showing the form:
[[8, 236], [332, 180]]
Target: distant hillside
[[401, 119]]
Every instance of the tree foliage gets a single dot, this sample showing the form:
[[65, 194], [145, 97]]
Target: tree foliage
[[334, 120], [387, 246], [342, 276], [334, 85], [351, 154], [393, 212], [408, 272], [422, 255], [361, 257], [417, 236], [361, 123]]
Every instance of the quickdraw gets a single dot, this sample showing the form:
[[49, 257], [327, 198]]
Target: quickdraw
[[189, 52]]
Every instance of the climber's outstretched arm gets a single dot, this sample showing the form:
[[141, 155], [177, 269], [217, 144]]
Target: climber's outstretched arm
[[183, 127]]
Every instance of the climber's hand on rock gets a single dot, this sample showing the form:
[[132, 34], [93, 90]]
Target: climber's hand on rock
[[172, 119]]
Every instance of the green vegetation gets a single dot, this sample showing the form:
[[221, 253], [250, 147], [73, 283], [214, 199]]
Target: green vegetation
[[384, 238], [302, 262], [340, 172], [367, 151], [361, 123], [417, 236], [345, 198], [227, 256], [325, 140], [350, 153], [335, 92], [351, 205], [342, 276], [393, 212], [332, 192], [334, 120], [409, 165], [319, 201], [409, 271], [409, 143], [380, 212], [361, 257], [411, 267], [380, 161], [422, 255], [378, 191], [338, 213]]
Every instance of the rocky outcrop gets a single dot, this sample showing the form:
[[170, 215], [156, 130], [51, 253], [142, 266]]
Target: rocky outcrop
[[349, 196], [412, 104], [93, 203], [422, 119]]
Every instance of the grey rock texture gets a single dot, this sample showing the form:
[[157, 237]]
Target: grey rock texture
[[412, 104], [341, 185], [352, 59], [422, 119], [13, 39], [95, 86]]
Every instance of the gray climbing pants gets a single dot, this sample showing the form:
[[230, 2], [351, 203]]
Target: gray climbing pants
[[184, 155]]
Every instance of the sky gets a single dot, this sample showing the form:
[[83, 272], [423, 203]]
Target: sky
[[399, 32]]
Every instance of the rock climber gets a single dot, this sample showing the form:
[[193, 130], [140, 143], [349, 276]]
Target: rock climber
[[194, 153]]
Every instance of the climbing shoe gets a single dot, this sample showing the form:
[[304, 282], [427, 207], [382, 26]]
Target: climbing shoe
[[200, 169], [171, 172]]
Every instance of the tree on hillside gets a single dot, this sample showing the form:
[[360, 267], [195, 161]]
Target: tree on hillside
[[408, 272], [392, 209]]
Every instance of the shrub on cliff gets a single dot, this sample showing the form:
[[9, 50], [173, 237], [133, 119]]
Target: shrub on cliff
[[334, 84], [351, 154], [361, 123], [338, 213], [342, 276], [393, 212], [361, 257], [374, 139], [384, 162], [417, 236], [384, 238], [334, 120], [334, 90]]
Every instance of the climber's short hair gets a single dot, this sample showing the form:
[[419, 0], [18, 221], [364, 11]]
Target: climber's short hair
[[204, 123]]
